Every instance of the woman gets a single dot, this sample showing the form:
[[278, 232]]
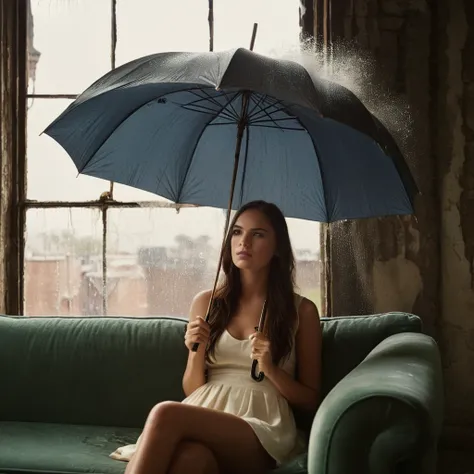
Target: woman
[[230, 423]]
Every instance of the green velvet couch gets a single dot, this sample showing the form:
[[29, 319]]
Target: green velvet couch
[[74, 389]]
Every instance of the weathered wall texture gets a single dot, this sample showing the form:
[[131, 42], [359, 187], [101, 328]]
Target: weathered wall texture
[[6, 33], [424, 53], [455, 156], [396, 259]]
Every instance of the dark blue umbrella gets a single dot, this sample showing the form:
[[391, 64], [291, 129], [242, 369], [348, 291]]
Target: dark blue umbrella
[[164, 123]]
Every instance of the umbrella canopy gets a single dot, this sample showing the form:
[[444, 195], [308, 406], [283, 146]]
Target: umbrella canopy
[[167, 124]]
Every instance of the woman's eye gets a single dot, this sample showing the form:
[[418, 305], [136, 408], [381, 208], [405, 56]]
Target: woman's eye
[[236, 232], [258, 234]]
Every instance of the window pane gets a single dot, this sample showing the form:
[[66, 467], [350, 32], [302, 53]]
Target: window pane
[[278, 25], [158, 26], [128, 194], [63, 264], [306, 247], [159, 259], [73, 40], [52, 175]]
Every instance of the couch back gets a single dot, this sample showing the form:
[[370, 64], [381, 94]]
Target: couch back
[[111, 371]]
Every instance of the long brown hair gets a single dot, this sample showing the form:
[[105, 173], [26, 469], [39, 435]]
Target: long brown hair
[[281, 311]]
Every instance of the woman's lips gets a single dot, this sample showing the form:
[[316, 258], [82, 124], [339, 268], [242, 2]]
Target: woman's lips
[[244, 255]]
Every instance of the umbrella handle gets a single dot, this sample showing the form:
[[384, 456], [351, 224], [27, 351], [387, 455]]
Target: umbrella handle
[[260, 376], [257, 377], [195, 346]]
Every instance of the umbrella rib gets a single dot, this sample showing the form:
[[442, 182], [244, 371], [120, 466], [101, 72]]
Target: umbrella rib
[[264, 110], [218, 104], [262, 98], [195, 107], [209, 97], [207, 110], [192, 155], [321, 172], [201, 99], [291, 117], [228, 114], [270, 118], [278, 127], [236, 117], [266, 113], [222, 123], [229, 102]]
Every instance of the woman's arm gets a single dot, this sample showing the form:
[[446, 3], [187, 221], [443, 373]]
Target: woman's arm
[[198, 330], [305, 391]]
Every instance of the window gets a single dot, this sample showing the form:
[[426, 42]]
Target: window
[[136, 255]]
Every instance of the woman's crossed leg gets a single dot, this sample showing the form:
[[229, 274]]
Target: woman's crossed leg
[[177, 435]]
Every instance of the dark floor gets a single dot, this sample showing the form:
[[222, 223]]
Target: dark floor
[[456, 462]]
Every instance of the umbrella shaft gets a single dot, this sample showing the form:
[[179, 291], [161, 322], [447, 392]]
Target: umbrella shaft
[[238, 146], [241, 126]]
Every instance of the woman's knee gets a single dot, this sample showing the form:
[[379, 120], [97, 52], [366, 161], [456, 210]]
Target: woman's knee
[[164, 414], [194, 457]]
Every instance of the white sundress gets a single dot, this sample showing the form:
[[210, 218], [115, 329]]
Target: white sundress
[[231, 389]]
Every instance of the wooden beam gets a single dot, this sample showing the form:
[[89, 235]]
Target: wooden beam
[[13, 86]]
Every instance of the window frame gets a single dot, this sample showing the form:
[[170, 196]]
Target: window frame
[[19, 204]]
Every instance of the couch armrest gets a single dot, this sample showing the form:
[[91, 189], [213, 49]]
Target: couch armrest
[[388, 410]]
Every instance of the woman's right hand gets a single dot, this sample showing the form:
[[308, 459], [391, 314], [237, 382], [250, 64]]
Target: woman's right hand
[[198, 330]]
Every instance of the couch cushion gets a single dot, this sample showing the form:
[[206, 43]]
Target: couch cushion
[[347, 341], [101, 371], [55, 448], [111, 371], [66, 449]]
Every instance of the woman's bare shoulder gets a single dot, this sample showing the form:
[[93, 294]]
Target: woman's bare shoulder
[[308, 308], [309, 328], [203, 296], [200, 304]]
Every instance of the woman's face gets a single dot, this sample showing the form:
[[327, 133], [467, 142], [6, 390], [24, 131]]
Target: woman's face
[[253, 242]]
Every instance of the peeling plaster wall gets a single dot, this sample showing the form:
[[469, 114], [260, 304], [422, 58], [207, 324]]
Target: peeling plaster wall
[[393, 263], [424, 52], [392, 279], [455, 153]]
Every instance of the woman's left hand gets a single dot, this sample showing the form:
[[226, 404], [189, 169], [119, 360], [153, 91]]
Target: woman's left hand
[[261, 352]]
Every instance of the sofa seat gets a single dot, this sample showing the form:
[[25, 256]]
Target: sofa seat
[[50, 448], [58, 448]]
